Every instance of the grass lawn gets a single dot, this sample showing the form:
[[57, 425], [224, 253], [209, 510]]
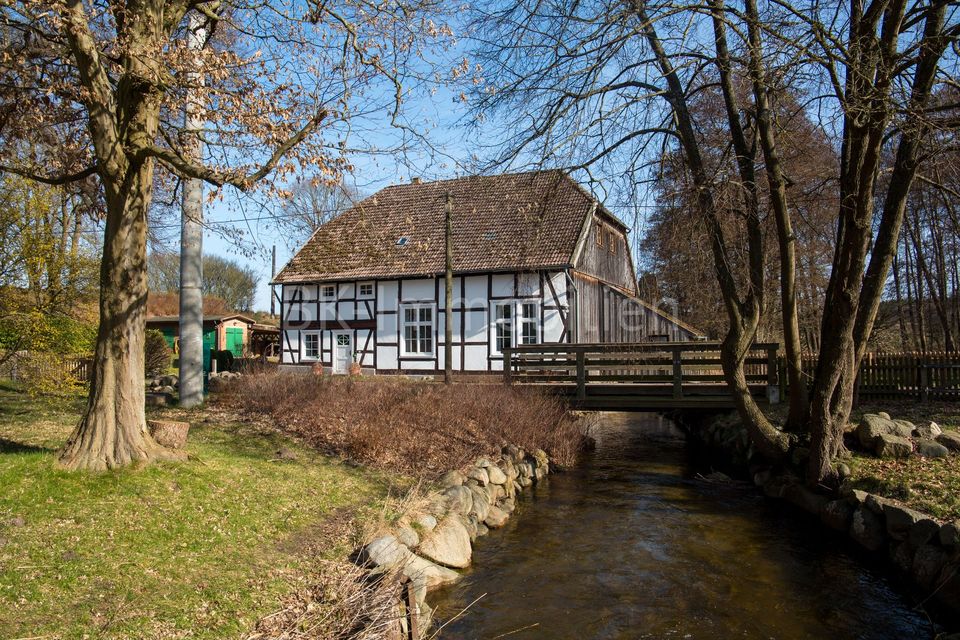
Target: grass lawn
[[931, 486], [200, 549]]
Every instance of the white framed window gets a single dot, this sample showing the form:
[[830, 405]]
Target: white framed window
[[417, 326], [503, 319], [516, 322], [310, 345], [328, 291], [365, 290]]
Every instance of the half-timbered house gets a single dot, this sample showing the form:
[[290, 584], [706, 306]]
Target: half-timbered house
[[535, 259]]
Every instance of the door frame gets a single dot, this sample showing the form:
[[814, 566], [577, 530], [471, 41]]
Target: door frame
[[333, 364]]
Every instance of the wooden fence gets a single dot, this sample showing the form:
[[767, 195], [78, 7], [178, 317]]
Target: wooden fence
[[901, 376], [24, 366]]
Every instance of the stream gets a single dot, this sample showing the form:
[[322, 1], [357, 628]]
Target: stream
[[635, 543]]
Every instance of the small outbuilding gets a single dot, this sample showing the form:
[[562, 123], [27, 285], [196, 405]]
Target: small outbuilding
[[230, 332]]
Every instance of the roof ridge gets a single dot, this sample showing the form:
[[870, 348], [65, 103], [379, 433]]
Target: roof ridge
[[475, 176]]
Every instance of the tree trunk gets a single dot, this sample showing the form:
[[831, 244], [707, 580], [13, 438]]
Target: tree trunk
[[113, 430], [767, 439], [786, 240]]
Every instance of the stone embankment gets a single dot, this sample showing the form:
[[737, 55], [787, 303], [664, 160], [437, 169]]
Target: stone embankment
[[922, 549], [427, 548]]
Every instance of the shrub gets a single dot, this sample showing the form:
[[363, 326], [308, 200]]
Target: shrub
[[421, 428], [157, 354]]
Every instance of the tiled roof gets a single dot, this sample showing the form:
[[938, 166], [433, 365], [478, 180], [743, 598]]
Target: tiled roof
[[206, 318], [500, 223]]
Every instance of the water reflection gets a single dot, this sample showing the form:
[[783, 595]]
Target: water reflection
[[634, 545]]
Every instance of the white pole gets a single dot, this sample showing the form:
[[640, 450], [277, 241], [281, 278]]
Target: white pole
[[191, 234]]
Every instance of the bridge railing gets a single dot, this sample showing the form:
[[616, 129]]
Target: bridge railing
[[670, 366]]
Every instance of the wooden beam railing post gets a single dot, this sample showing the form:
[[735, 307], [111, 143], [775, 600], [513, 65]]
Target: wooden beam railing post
[[924, 383], [773, 383], [581, 376], [677, 374], [507, 367]]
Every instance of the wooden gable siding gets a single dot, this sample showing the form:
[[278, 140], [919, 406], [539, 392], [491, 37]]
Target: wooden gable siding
[[608, 314], [605, 254]]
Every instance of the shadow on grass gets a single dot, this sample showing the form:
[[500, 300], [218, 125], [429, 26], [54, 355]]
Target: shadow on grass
[[11, 446]]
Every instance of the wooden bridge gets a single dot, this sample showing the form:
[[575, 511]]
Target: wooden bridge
[[639, 376]]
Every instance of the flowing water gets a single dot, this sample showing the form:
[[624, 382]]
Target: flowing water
[[635, 544]]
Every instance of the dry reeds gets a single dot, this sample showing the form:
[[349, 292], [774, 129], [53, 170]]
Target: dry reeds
[[419, 428]]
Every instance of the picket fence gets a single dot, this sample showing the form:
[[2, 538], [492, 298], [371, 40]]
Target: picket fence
[[901, 376]]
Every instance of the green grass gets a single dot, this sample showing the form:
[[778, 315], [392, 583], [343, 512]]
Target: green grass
[[928, 485], [200, 549]]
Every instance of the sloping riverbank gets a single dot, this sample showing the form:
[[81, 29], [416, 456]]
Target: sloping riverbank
[[923, 550]]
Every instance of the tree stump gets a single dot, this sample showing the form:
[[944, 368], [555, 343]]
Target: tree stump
[[169, 433]]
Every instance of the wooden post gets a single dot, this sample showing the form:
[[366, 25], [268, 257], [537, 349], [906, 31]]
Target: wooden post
[[581, 376], [677, 374], [773, 385], [924, 383], [448, 299], [507, 366], [414, 610]]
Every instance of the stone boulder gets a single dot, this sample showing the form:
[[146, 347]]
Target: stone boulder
[[448, 544], [386, 552], [950, 439], [481, 503], [496, 518], [427, 522], [872, 426], [923, 531], [906, 428], [429, 575], [837, 514], [513, 453], [950, 535], [496, 475], [800, 496], [900, 519], [451, 479], [930, 431], [408, 537], [867, 530], [931, 449], [927, 564], [458, 499], [891, 446], [480, 475]]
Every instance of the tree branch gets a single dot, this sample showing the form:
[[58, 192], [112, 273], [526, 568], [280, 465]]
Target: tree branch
[[189, 169], [52, 180]]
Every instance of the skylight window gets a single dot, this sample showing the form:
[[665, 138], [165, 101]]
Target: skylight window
[[402, 241], [489, 235]]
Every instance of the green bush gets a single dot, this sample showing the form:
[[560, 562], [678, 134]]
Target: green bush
[[157, 354]]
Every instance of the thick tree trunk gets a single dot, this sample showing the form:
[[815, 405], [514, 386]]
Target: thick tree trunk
[[767, 439], [113, 430], [786, 240]]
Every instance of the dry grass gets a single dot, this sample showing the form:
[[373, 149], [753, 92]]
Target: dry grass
[[418, 428], [343, 601]]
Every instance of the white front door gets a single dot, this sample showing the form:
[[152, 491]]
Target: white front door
[[342, 352]]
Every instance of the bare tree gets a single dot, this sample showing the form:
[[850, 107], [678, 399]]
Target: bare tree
[[311, 204], [278, 88], [607, 88]]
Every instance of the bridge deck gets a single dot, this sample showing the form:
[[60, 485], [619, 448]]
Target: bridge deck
[[640, 376]]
